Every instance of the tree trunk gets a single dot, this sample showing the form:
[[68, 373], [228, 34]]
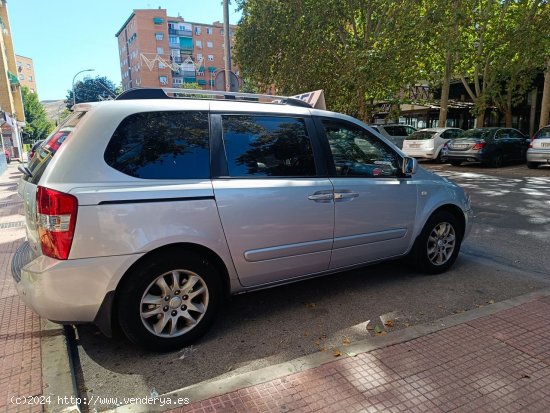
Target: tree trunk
[[480, 119], [445, 92], [545, 107], [508, 112]]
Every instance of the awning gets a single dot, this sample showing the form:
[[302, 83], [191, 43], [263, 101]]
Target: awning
[[13, 79]]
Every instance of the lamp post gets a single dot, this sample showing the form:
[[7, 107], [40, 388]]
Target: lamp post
[[82, 71]]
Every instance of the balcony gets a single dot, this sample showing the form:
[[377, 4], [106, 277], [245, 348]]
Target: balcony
[[184, 33]]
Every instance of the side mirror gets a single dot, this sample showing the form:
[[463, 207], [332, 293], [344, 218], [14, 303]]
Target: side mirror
[[409, 166]]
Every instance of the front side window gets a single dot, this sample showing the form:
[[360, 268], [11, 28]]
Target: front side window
[[262, 146], [357, 153], [161, 145]]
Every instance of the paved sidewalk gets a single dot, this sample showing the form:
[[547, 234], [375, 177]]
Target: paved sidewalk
[[498, 362], [20, 331]]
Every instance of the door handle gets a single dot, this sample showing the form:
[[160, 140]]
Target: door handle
[[345, 196], [321, 196]]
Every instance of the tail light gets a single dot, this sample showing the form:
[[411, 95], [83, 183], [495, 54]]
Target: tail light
[[56, 222], [478, 146]]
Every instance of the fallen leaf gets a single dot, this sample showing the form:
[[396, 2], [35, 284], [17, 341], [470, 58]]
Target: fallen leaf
[[306, 334], [389, 323], [337, 353], [491, 302], [377, 329], [369, 326], [407, 325], [310, 305], [525, 376], [346, 341], [351, 354]]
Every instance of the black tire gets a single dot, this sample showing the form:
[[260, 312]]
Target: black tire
[[497, 160], [129, 300], [532, 165], [456, 163], [420, 252]]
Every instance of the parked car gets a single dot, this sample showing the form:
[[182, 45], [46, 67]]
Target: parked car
[[34, 148], [8, 155], [180, 202], [490, 146], [395, 133], [427, 143], [539, 149]]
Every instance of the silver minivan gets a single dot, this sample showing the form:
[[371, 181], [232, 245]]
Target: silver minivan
[[147, 211]]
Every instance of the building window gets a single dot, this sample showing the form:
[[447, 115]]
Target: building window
[[28, 65], [221, 32], [209, 44], [161, 65], [177, 81], [198, 30], [174, 40], [158, 20], [30, 78], [160, 50], [209, 30], [210, 58], [163, 80], [22, 77], [32, 90], [159, 36], [199, 44], [199, 57]]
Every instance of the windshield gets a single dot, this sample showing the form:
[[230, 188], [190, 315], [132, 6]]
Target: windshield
[[420, 135], [544, 133], [476, 134], [46, 151]]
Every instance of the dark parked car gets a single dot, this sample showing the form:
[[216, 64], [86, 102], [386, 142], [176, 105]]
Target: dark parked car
[[35, 146], [490, 146]]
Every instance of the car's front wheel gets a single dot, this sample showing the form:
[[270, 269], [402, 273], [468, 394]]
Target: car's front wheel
[[436, 248], [169, 301]]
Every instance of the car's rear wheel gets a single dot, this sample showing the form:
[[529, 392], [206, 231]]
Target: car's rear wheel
[[532, 165], [456, 163], [437, 247], [497, 160], [169, 301]]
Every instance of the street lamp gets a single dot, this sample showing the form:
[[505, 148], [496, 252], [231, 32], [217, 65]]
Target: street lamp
[[82, 71]]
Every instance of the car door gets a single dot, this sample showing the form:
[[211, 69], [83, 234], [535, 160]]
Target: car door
[[520, 144], [505, 143], [375, 207], [275, 206]]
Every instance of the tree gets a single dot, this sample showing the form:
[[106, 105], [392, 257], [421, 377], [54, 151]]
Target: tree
[[92, 90], [38, 126], [360, 52]]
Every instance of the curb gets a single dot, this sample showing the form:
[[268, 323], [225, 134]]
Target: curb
[[58, 379], [205, 390]]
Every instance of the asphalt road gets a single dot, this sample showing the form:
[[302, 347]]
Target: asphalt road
[[505, 256]]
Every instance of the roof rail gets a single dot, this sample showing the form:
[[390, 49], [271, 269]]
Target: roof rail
[[173, 93]]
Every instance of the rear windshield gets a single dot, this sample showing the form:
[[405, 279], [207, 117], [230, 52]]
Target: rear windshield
[[476, 134], [46, 151], [396, 130], [544, 133], [420, 135]]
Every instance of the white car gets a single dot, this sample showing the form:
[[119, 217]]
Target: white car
[[539, 149], [427, 143]]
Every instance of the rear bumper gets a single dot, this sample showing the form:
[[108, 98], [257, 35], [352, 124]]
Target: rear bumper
[[538, 156], [69, 291], [419, 153], [464, 157]]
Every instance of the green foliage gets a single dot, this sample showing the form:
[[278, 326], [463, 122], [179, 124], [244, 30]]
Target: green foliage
[[364, 52], [191, 85], [38, 126], [92, 90]]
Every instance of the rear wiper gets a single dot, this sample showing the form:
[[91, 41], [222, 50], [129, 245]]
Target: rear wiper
[[26, 171]]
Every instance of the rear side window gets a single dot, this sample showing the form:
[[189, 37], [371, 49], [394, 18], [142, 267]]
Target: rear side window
[[267, 146], [161, 145], [46, 151]]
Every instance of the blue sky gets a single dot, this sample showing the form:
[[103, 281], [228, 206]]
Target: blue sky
[[66, 36]]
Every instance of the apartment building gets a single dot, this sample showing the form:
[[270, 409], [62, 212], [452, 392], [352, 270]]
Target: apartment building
[[12, 115], [157, 50], [25, 72]]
